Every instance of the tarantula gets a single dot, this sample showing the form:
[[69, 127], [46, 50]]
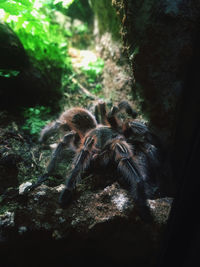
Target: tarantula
[[105, 141]]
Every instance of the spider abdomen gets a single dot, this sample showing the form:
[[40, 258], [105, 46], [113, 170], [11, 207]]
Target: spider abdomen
[[78, 119]]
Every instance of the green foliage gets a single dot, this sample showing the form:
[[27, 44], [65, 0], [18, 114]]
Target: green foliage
[[35, 119], [72, 87], [69, 84], [8, 73], [93, 70], [97, 88], [31, 21]]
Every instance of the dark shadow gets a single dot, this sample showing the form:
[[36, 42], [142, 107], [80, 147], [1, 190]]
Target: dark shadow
[[180, 247]]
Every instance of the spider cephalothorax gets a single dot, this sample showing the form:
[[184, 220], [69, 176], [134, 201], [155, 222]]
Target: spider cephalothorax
[[105, 141]]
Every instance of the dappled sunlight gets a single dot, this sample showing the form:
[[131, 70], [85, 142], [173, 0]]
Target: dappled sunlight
[[81, 58]]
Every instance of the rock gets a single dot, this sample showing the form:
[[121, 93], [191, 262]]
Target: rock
[[23, 186], [159, 38], [19, 161], [22, 82], [16, 163], [83, 215], [12, 53], [8, 170], [106, 216], [7, 219]]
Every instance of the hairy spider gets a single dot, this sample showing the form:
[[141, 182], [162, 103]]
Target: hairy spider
[[105, 141]]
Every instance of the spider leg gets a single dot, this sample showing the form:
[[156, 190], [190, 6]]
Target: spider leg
[[81, 163], [49, 129], [66, 142], [128, 171], [146, 142], [124, 105], [115, 123], [101, 113], [151, 154], [140, 132], [126, 166], [112, 118]]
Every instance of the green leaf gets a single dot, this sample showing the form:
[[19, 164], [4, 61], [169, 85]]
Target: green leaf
[[35, 119], [8, 73]]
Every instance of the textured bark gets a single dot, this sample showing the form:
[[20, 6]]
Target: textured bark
[[159, 38]]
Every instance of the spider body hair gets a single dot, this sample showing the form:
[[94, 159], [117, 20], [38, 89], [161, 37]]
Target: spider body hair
[[77, 119], [105, 141], [103, 147]]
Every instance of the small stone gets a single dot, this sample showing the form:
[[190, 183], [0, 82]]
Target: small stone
[[121, 201], [152, 204], [53, 146], [61, 220], [60, 188], [7, 219], [22, 230], [58, 211], [56, 235], [23, 186]]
